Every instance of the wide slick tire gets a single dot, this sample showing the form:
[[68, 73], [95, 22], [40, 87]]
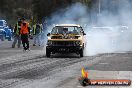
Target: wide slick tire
[[81, 52], [48, 53]]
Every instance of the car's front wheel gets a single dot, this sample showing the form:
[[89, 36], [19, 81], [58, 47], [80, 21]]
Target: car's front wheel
[[81, 52], [48, 53]]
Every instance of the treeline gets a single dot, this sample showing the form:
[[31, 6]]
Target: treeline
[[11, 9]]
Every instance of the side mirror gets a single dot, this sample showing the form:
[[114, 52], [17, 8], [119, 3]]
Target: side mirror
[[48, 34], [84, 33]]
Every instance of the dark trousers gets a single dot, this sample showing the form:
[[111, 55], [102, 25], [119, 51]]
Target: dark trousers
[[25, 42]]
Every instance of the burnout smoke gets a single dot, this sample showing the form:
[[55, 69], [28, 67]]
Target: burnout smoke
[[106, 32]]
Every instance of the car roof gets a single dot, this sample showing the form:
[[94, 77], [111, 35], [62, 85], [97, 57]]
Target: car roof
[[68, 25], [2, 20]]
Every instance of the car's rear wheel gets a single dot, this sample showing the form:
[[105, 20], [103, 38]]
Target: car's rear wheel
[[3, 38], [81, 52], [48, 53]]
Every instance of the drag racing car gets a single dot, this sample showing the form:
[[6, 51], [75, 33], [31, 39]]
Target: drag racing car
[[5, 31], [66, 38]]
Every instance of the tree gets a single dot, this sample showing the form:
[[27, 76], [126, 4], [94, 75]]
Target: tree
[[43, 8]]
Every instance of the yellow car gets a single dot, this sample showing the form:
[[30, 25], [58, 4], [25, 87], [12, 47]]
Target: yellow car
[[65, 38]]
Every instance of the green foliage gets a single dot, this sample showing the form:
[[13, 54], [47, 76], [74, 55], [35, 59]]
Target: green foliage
[[34, 8], [43, 8]]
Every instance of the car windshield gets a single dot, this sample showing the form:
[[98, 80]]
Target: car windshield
[[1, 23], [65, 30]]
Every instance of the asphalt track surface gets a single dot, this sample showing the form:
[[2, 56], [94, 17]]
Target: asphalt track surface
[[32, 69]]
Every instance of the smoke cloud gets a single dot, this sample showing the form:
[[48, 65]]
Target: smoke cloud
[[106, 32]]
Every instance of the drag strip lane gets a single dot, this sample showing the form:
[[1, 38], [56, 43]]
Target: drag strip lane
[[28, 69], [34, 69]]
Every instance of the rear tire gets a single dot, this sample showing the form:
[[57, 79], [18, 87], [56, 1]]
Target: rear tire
[[48, 53], [3, 38], [81, 52]]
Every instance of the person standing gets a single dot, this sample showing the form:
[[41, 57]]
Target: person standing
[[16, 33], [25, 31], [37, 29]]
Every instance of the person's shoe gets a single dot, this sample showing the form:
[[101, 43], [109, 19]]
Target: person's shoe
[[28, 49], [34, 45], [24, 50], [13, 47]]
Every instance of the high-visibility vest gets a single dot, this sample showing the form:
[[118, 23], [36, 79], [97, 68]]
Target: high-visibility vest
[[18, 28], [24, 29]]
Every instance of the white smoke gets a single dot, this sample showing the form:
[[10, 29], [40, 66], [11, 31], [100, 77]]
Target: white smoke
[[116, 37]]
